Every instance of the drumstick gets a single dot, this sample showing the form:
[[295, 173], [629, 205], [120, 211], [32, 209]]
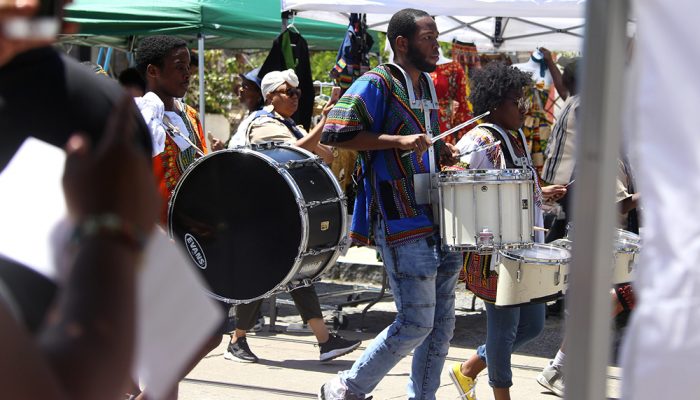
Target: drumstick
[[452, 130], [572, 181], [539, 228], [458, 127], [480, 148]]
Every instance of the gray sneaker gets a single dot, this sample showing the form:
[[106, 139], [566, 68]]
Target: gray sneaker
[[552, 378]]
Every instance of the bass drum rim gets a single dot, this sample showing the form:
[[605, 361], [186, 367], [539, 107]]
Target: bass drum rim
[[255, 150]]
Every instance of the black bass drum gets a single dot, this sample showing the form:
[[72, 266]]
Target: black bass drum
[[259, 221]]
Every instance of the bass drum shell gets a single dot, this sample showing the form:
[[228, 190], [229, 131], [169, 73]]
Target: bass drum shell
[[252, 221]]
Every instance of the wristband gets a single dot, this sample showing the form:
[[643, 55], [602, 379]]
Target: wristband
[[112, 226]]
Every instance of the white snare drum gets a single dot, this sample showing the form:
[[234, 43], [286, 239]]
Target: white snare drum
[[627, 246], [532, 275], [484, 210]]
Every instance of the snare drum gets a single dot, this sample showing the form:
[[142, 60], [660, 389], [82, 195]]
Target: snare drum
[[627, 246], [483, 210], [258, 221], [532, 275], [625, 253]]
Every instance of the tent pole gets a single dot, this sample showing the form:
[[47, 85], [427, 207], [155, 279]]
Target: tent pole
[[200, 69], [594, 211]]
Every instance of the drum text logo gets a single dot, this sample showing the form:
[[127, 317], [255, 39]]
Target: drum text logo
[[195, 251]]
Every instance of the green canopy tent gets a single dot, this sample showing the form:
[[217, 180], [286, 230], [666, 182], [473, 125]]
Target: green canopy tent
[[229, 24], [224, 24]]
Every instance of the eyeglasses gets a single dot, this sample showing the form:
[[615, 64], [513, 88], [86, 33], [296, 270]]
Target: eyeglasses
[[290, 92], [523, 103]]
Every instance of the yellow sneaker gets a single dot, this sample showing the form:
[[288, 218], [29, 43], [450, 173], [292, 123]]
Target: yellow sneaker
[[466, 386]]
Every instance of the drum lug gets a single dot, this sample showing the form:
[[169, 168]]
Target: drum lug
[[301, 163], [518, 273], [315, 252], [317, 203], [557, 276], [630, 264]]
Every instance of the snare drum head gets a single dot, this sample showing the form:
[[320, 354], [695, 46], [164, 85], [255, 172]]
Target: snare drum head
[[539, 254], [239, 220], [626, 241]]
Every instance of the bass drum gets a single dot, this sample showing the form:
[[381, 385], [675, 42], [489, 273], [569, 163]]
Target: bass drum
[[259, 221]]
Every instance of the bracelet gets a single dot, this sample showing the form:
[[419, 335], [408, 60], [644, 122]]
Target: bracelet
[[109, 225]]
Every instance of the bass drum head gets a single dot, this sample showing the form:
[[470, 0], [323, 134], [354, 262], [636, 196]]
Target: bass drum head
[[239, 220]]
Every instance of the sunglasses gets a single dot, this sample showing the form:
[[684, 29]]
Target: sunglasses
[[290, 92], [522, 103]]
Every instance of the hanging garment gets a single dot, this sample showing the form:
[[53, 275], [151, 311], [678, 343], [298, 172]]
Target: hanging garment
[[353, 56], [451, 89], [290, 50]]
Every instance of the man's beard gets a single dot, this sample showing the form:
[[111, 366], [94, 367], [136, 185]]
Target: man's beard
[[418, 60]]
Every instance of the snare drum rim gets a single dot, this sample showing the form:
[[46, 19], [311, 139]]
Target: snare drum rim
[[544, 261], [485, 176]]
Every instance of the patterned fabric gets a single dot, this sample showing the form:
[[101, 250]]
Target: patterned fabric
[[169, 165], [537, 126], [451, 89], [353, 56], [561, 149], [625, 295], [378, 102], [480, 279]]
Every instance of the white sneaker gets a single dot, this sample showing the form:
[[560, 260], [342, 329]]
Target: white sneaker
[[552, 378]]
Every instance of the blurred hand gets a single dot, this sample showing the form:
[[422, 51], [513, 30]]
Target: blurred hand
[[553, 192], [418, 143], [449, 154], [328, 107], [216, 144], [546, 55], [115, 177]]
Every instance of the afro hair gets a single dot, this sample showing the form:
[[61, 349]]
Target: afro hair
[[491, 84]]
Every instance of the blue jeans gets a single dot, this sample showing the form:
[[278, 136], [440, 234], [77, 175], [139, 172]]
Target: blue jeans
[[506, 330], [422, 279]]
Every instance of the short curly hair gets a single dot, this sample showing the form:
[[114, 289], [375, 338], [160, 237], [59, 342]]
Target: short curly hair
[[491, 84], [154, 49]]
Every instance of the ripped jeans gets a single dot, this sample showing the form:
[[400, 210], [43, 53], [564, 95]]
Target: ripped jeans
[[422, 279]]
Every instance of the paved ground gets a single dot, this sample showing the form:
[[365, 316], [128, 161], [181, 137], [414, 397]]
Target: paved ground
[[289, 366]]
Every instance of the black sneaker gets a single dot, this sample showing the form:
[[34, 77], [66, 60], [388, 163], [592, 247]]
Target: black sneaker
[[240, 352], [336, 346]]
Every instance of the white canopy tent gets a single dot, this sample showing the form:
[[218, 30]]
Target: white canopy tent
[[505, 25]]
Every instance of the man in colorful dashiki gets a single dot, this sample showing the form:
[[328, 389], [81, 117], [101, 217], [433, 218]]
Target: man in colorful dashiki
[[383, 114]]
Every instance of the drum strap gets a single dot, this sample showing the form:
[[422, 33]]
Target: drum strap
[[288, 123], [523, 162]]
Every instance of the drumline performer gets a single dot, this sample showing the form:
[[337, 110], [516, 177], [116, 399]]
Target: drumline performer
[[382, 115], [273, 123], [499, 89], [176, 131]]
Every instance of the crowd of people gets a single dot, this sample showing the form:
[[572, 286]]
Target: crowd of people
[[117, 139]]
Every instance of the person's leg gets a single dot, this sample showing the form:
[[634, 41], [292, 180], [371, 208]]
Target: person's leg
[[501, 333], [411, 271], [429, 356], [238, 349], [306, 302], [530, 324], [246, 317]]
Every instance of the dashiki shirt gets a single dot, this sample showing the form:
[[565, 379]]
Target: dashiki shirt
[[169, 165], [377, 102], [451, 89], [481, 280]]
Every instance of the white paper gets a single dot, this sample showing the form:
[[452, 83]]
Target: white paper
[[32, 205], [174, 315]]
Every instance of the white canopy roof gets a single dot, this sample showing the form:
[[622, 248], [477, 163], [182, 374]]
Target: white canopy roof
[[524, 24]]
